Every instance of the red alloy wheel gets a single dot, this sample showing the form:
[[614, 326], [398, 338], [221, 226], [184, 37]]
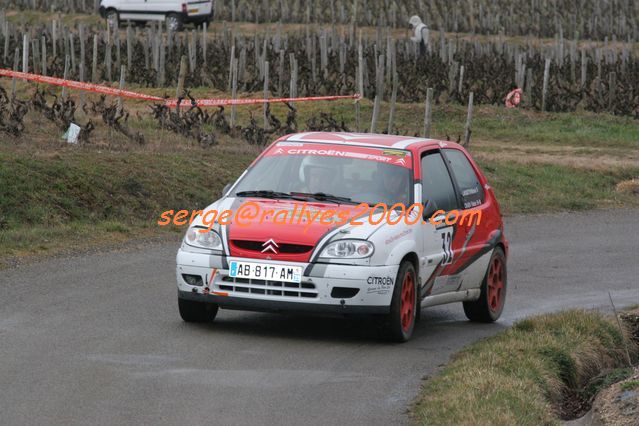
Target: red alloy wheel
[[496, 284], [408, 302]]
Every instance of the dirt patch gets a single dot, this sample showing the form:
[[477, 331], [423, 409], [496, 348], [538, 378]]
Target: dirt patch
[[619, 404], [594, 159], [629, 186]]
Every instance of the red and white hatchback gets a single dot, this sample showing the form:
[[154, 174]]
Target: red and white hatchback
[[382, 260]]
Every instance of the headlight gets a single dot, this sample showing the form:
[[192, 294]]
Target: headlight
[[348, 249], [208, 239]]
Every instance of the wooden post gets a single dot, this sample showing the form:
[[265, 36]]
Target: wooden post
[[162, 70], [461, 80], [428, 113], [231, 68], [584, 67], [469, 119], [94, 64], [544, 90], [181, 77], [375, 113], [360, 66], [391, 115], [35, 48], [204, 41], [107, 60], [266, 72], [129, 47], [67, 63], [43, 42], [234, 91], [379, 91], [529, 85], [16, 64], [280, 72], [82, 50], [25, 52], [72, 52], [54, 39], [6, 41], [82, 94], [120, 104], [612, 88], [357, 105]]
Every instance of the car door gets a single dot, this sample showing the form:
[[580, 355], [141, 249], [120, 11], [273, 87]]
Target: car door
[[438, 235], [131, 10], [159, 8], [478, 219]]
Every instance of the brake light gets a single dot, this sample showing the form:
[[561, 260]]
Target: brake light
[[184, 9]]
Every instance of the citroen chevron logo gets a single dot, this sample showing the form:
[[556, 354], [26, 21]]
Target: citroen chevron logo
[[270, 245], [400, 161], [279, 151]]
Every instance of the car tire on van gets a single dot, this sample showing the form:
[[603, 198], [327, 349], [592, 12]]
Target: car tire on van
[[174, 22]]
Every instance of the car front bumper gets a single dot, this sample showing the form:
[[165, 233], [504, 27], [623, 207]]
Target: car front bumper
[[330, 288]]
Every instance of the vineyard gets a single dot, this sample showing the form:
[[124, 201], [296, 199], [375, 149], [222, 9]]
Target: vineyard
[[590, 19], [342, 57]]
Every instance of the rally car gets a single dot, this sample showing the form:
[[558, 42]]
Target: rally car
[[366, 266]]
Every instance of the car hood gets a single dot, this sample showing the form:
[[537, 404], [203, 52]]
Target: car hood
[[284, 229]]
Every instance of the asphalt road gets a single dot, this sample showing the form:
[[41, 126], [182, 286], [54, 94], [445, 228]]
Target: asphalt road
[[97, 339]]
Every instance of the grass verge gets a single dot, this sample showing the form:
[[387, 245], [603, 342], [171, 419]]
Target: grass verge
[[525, 374]]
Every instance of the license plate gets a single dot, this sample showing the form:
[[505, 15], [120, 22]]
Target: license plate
[[265, 271]]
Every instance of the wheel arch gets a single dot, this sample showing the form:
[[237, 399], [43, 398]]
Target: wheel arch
[[502, 246], [414, 259]]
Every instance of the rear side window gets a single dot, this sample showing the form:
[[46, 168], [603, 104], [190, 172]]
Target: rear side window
[[471, 190], [436, 182]]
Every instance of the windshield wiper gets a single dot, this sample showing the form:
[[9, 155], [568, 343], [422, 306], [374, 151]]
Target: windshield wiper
[[321, 196], [265, 193]]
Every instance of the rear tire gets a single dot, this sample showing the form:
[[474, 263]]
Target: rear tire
[[191, 311], [399, 323], [174, 22], [491, 300]]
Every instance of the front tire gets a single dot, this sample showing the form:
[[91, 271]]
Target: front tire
[[192, 311], [491, 300], [399, 323]]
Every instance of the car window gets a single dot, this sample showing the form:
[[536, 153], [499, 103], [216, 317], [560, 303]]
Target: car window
[[436, 182], [359, 179], [467, 180]]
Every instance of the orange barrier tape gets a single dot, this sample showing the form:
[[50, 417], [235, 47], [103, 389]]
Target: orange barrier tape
[[90, 87], [78, 85], [224, 102]]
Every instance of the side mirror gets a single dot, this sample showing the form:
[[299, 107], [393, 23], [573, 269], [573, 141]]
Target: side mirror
[[226, 189], [430, 207]]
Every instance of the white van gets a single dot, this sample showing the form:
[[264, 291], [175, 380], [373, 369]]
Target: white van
[[176, 13]]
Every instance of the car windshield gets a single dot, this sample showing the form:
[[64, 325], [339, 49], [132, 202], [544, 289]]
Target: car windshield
[[329, 178]]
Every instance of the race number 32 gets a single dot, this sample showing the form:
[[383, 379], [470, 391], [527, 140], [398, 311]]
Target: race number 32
[[447, 242]]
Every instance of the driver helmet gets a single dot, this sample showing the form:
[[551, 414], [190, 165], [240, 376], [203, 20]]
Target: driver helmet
[[314, 161]]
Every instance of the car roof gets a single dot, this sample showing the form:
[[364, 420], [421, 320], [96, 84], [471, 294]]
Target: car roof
[[363, 139]]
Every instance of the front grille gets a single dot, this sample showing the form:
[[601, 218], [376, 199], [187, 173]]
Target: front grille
[[268, 288], [283, 248]]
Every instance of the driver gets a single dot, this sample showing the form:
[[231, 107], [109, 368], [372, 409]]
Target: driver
[[394, 185], [317, 175]]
